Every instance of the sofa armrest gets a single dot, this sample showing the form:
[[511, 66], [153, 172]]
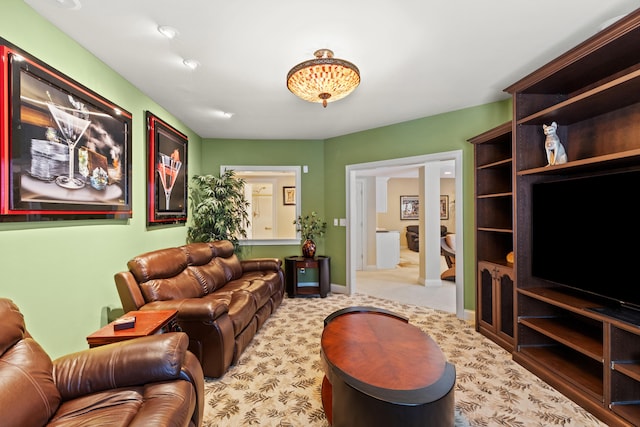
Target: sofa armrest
[[127, 363], [261, 264], [193, 309], [129, 291]]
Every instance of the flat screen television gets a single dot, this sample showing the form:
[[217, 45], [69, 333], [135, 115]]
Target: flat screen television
[[586, 236]]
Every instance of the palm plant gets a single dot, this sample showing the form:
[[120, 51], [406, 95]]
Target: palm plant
[[219, 209]]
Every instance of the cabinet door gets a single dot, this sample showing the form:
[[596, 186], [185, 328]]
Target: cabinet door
[[504, 283], [486, 295]]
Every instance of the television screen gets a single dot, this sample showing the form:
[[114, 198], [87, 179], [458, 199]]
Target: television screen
[[586, 235]]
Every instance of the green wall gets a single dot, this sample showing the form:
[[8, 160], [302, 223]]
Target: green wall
[[61, 274], [324, 187]]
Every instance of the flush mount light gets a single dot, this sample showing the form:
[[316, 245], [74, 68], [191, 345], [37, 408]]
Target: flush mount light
[[69, 4], [191, 63], [167, 31], [324, 79]]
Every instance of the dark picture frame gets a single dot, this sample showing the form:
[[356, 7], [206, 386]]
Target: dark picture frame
[[409, 207], [288, 195], [166, 173], [65, 151], [444, 207]]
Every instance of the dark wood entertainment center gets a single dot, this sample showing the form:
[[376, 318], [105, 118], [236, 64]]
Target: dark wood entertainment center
[[593, 93]]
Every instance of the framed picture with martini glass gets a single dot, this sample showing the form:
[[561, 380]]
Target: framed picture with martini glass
[[167, 173], [65, 151]]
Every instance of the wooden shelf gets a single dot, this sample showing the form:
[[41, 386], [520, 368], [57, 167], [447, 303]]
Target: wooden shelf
[[506, 163], [614, 160], [560, 331], [630, 412], [583, 376], [494, 195], [562, 299], [613, 95], [630, 369]]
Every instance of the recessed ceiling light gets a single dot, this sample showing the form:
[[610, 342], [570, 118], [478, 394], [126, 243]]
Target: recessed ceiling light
[[223, 114], [191, 63], [69, 4], [167, 31]]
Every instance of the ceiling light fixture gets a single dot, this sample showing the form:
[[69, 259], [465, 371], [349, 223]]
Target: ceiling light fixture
[[167, 31], [191, 63], [69, 4], [324, 79]]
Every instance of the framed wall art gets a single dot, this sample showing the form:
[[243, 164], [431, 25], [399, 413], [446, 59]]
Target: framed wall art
[[167, 173], [409, 207], [289, 195], [65, 151], [444, 207]]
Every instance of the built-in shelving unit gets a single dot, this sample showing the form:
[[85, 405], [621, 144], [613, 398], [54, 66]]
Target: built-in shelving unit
[[593, 93], [494, 234]]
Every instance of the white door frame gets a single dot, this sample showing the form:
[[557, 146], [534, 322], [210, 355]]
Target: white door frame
[[351, 171]]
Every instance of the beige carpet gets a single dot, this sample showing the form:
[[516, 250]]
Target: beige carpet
[[278, 378]]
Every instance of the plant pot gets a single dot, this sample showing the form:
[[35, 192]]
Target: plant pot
[[308, 248]]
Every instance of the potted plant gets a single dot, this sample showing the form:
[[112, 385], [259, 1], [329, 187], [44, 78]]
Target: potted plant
[[219, 209], [310, 227]]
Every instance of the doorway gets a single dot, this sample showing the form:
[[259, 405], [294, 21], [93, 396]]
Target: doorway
[[355, 223]]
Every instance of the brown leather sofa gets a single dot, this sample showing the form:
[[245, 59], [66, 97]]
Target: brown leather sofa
[[221, 300], [150, 381]]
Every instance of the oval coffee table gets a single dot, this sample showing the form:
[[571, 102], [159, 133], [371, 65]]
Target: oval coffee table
[[382, 371]]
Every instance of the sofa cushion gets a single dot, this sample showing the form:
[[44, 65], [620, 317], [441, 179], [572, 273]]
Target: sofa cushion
[[242, 307], [97, 409], [212, 276], [231, 266], [184, 285], [158, 264], [259, 289]]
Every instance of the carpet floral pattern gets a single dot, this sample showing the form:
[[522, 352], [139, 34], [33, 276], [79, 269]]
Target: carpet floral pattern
[[278, 378]]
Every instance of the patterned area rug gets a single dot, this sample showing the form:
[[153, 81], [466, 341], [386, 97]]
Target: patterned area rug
[[278, 378]]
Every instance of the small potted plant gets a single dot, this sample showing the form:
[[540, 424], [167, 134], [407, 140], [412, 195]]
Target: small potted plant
[[310, 227]]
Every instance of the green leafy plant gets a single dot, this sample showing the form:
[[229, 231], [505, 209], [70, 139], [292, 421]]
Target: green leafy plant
[[219, 210], [310, 226]]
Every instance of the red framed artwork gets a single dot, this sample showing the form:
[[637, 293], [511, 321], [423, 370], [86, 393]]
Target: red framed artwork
[[65, 151], [167, 173]]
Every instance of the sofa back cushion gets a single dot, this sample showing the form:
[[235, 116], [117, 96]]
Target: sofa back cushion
[[27, 389], [227, 259], [163, 275], [201, 259]]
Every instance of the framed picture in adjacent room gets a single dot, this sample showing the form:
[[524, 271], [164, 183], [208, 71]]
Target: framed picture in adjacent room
[[167, 173], [409, 207], [65, 150], [444, 207], [289, 195]]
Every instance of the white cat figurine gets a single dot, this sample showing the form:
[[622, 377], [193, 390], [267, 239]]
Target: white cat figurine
[[556, 155]]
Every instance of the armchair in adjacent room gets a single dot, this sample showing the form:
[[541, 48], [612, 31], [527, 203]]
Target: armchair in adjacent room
[[413, 236], [448, 251]]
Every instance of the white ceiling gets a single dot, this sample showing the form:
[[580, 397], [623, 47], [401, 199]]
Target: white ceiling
[[417, 58]]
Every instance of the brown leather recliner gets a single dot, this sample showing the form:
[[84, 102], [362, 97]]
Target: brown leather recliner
[[150, 381]]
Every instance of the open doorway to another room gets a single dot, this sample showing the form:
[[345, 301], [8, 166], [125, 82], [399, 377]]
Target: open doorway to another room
[[384, 198]]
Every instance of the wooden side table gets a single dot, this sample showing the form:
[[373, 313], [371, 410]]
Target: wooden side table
[[291, 266], [148, 322]]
